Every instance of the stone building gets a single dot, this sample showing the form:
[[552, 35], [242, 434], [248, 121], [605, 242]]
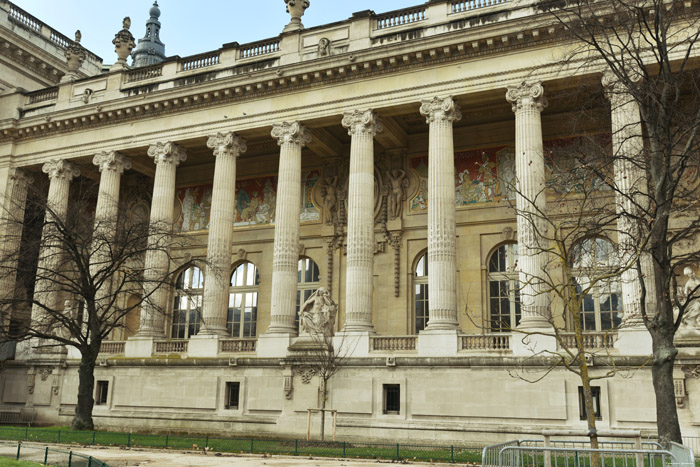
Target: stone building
[[367, 157]]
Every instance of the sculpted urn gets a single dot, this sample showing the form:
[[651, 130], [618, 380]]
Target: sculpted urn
[[296, 9]]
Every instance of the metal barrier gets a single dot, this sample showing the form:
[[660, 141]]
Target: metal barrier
[[48, 456]]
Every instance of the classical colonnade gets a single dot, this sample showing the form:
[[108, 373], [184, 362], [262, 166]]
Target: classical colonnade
[[527, 101]]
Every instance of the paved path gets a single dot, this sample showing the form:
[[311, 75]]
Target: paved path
[[119, 457]]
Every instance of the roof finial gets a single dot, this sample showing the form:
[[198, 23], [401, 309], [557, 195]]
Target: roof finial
[[296, 9]]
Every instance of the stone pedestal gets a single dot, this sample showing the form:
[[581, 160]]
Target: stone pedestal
[[273, 345], [352, 344], [438, 343], [203, 346], [528, 345], [138, 347], [633, 341]]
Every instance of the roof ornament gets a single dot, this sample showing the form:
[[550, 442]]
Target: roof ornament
[[150, 49], [296, 9], [75, 56], [123, 42]]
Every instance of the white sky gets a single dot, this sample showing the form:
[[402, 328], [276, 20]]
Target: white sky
[[189, 27]]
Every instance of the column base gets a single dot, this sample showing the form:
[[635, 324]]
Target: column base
[[203, 346], [139, 347], [442, 326], [352, 344], [220, 331], [273, 345], [534, 323], [633, 341], [355, 328], [438, 342], [531, 344]]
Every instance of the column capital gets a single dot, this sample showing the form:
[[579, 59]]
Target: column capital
[[291, 132], [18, 175], [227, 144], [362, 121], [60, 169], [168, 153], [440, 108], [616, 91], [112, 160], [527, 96]]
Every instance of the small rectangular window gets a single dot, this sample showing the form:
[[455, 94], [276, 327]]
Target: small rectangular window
[[595, 394], [233, 389], [102, 390], [392, 399]]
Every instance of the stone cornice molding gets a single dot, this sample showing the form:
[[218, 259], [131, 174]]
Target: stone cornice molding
[[20, 176], [227, 144], [111, 160], [291, 132], [60, 169], [527, 96], [362, 121], [440, 108], [167, 153]]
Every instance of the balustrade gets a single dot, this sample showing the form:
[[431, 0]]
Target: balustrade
[[400, 17], [142, 73], [485, 342], [112, 347], [591, 340], [461, 6], [237, 345], [43, 95], [172, 346], [255, 49], [200, 61], [393, 343]]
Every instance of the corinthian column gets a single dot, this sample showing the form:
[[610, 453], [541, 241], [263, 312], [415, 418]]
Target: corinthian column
[[531, 200], [46, 291], [442, 263], [362, 126], [227, 147], [167, 156], [13, 223], [631, 184], [291, 137]]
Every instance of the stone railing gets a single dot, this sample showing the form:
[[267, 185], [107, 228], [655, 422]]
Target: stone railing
[[171, 346], [43, 95], [60, 40], [461, 6], [24, 18], [255, 49], [237, 345], [393, 343], [591, 340], [147, 72], [400, 17], [113, 347], [199, 61], [485, 342]]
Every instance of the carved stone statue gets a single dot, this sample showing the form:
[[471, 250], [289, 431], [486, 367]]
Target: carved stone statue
[[317, 314], [324, 47], [397, 193], [691, 293], [329, 193]]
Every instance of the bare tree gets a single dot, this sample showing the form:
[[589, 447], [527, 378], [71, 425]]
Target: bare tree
[[648, 49], [77, 277]]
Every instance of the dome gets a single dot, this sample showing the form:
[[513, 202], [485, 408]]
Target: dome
[[154, 11]]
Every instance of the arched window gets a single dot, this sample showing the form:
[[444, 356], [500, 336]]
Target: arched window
[[420, 301], [601, 307], [504, 298], [243, 301], [187, 309], [307, 282]]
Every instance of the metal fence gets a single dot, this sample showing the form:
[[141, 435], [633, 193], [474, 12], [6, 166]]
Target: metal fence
[[294, 447], [48, 455], [572, 453]]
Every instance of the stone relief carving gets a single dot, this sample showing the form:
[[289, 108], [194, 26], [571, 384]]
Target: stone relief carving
[[329, 194], [324, 47], [45, 372], [397, 192], [690, 325], [306, 373], [317, 314]]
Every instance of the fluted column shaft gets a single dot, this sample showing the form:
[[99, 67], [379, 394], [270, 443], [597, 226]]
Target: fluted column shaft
[[531, 200], [631, 183], [442, 255], [227, 147], [362, 127], [291, 137], [60, 174], [167, 156], [15, 202]]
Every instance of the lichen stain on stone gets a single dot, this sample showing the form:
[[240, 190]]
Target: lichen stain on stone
[[401, 36], [479, 20]]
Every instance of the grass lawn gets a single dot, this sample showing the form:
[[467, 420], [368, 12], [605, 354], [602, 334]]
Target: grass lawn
[[7, 462]]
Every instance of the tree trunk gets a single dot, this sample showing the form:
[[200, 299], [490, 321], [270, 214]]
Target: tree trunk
[[323, 409], [662, 376], [86, 385]]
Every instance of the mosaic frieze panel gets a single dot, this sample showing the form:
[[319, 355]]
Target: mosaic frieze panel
[[255, 202]]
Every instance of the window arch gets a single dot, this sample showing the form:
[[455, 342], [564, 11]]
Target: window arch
[[242, 318], [601, 305], [503, 288], [420, 298], [307, 281], [187, 307]]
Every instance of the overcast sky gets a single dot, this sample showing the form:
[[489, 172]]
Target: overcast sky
[[189, 27]]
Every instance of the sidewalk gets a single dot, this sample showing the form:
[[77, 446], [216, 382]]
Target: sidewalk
[[118, 457]]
